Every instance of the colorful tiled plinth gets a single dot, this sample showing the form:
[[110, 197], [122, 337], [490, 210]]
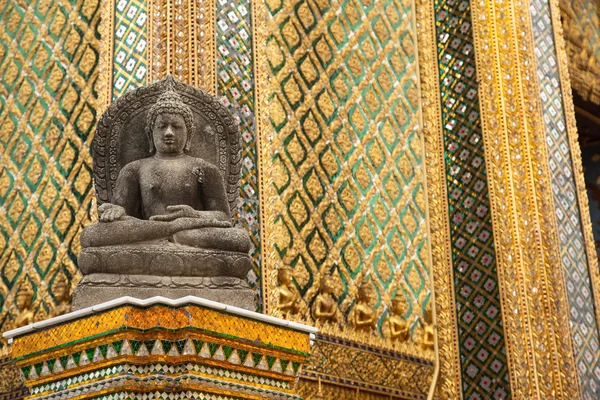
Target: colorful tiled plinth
[[162, 348]]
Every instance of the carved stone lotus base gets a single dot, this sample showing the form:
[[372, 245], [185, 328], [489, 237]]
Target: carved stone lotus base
[[98, 288], [163, 259]]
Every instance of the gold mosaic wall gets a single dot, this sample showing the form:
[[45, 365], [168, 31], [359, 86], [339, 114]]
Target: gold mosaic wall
[[343, 174], [581, 27], [49, 56]]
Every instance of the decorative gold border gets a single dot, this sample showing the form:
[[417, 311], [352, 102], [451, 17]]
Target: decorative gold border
[[196, 63], [582, 198], [107, 48], [263, 145], [147, 318], [540, 363], [438, 218], [206, 50]]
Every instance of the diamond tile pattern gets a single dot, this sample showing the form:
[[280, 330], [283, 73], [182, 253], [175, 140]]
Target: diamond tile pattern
[[236, 87], [348, 158], [129, 68], [48, 71], [188, 347], [481, 333], [584, 327]]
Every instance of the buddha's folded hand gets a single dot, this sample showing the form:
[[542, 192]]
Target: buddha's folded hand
[[110, 212], [178, 211], [186, 223]]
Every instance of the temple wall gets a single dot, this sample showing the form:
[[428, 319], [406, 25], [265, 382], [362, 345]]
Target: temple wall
[[424, 148], [49, 90]]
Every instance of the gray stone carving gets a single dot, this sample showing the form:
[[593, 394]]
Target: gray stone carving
[[166, 171]]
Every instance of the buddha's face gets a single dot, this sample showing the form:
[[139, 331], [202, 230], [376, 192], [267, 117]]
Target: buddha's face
[[327, 286], [285, 276], [398, 307], [24, 298], [365, 293], [62, 291], [169, 134]]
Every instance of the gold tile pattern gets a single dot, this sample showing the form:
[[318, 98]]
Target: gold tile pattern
[[129, 351], [49, 57]]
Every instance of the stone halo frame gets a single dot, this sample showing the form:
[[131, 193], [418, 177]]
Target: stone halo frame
[[121, 138]]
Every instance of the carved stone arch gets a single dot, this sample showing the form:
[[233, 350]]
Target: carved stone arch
[[121, 138]]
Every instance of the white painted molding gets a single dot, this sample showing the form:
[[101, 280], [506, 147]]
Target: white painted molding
[[159, 300]]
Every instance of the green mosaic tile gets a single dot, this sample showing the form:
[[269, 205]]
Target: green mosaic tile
[[235, 82], [481, 333], [584, 327], [130, 46]]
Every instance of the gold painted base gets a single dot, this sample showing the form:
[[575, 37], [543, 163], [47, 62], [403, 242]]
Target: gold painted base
[[158, 350]]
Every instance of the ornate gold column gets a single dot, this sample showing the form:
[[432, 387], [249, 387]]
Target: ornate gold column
[[530, 257], [182, 37]]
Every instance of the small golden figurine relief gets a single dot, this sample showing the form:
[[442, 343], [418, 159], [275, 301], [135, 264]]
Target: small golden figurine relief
[[362, 317], [397, 329], [288, 297], [324, 309], [63, 295], [428, 330], [24, 303]]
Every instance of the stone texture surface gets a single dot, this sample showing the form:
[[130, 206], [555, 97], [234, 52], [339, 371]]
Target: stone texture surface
[[168, 259], [99, 288]]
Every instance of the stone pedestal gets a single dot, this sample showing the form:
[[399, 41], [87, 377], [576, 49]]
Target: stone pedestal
[[100, 288], [162, 348]]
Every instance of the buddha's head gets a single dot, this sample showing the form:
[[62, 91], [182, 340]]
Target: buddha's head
[[61, 287], [170, 124], [428, 316], [398, 305], [327, 284], [24, 298], [284, 275], [365, 292]]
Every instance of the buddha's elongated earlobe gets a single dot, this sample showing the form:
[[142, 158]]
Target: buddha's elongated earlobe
[[151, 147]]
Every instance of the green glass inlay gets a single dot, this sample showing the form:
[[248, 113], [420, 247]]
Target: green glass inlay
[[284, 363], [270, 361], [243, 354], [63, 360], [181, 345], [166, 345], [149, 345], [212, 347], [295, 365], [103, 349], [227, 351], [256, 357], [77, 357], [135, 345], [198, 345], [117, 346], [90, 353]]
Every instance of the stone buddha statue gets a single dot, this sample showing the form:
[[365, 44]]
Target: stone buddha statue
[[165, 225]]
